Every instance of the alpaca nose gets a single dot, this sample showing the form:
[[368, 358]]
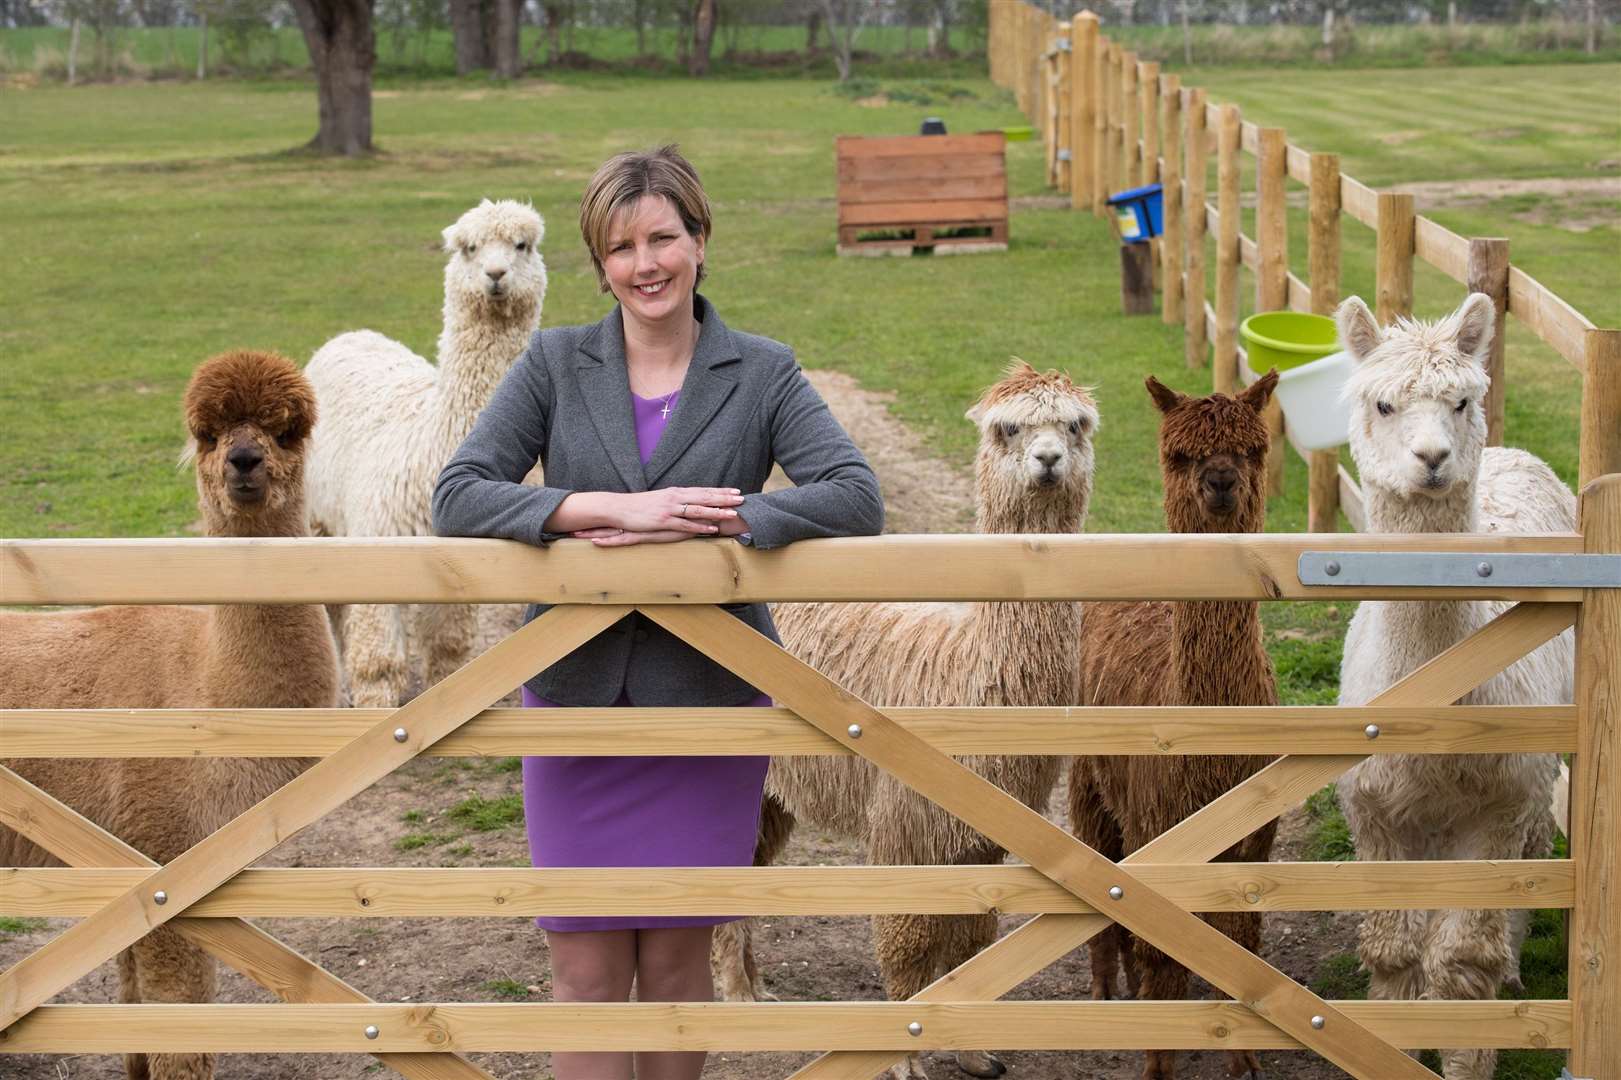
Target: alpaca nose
[[1049, 458], [1432, 458], [244, 459], [1221, 481], [496, 274]]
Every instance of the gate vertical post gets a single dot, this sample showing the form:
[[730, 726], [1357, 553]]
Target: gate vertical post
[[1083, 111], [1488, 273]]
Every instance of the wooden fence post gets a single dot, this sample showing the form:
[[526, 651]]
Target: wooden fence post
[[1131, 123], [1083, 112], [1171, 248], [1051, 58], [1394, 265], [1488, 273], [1272, 270], [1224, 364], [1601, 405], [1148, 81], [1062, 88], [1117, 138], [1323, 485], [1197, 156], [1102, 133], [1595, 794]]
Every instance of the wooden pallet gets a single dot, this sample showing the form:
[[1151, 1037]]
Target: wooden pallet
[[920, 186]]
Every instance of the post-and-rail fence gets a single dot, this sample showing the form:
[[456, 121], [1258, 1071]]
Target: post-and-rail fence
[[1071, 891], [1110, 122]]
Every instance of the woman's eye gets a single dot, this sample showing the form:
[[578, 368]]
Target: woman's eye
[[1462, 405], [1384, 409], [1010, 430]]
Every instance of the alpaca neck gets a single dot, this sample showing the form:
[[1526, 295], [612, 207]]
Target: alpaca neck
[[1028, 651], [476, 350], [1416, 631], [275, 517], [1217, 655]]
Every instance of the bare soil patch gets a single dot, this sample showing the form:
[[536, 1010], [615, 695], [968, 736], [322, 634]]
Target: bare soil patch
[[804, 959]]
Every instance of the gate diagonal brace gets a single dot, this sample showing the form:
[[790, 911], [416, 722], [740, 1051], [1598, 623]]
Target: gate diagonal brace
[[1020, 830]]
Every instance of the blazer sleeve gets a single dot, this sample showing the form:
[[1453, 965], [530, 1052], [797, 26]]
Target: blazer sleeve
[[479, 492], [835, 493]]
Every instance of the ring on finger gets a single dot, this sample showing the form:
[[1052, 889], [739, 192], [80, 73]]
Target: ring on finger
[[684, 509]]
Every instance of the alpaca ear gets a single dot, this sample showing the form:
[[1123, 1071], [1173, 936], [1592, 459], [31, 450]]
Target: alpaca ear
[[1165, 399], [975, 413], [1359, 332], [450, 235], [1259, 392], [1477, 324]]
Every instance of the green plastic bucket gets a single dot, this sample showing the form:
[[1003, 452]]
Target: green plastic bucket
[[1286, 339]]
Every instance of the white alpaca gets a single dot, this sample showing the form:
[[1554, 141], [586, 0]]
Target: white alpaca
[[390, 420], [1418, 433], [1033, 475]]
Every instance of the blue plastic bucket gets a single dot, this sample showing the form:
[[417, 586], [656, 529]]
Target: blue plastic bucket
[[1139, 212]]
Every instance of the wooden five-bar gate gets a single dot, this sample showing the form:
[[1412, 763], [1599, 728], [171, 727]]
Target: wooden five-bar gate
[[1073, 892]]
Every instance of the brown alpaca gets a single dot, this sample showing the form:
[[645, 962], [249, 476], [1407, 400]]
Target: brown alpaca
[[1213, 458], [248, 414]]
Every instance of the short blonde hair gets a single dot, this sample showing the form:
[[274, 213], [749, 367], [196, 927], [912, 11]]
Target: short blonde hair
[[623, 179]]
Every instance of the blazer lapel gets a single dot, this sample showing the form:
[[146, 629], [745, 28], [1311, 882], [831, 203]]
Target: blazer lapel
[[605, 386], [709, 382]]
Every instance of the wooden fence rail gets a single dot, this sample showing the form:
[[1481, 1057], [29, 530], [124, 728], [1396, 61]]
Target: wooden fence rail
[[1072, 891]]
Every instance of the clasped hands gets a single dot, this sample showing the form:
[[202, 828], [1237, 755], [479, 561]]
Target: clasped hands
[[664, 516]]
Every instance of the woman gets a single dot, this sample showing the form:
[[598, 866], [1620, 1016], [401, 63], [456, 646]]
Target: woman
[[657, 424]]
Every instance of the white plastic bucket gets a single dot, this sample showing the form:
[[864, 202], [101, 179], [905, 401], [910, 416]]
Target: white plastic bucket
[[1310, 398]]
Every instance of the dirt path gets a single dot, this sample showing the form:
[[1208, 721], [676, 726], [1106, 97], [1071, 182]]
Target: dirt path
[[804, 959]]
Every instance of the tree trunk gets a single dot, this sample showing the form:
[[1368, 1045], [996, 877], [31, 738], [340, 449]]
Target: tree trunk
[[467, 30], [1592, 27], [343, 52], [1187, 41], [554, 27], [639, 13], [202, 47], [813, 28], [942, 26], [73, 54], [508, 57], [703, 37]]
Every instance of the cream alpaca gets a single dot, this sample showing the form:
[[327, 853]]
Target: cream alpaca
[[1418, 433], [1033, 475], [248, 414], [390, 421]]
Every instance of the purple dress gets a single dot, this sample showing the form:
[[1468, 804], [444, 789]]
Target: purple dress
[[641, 811]]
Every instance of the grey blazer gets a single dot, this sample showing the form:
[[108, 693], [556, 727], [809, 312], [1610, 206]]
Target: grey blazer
[[744, 404]]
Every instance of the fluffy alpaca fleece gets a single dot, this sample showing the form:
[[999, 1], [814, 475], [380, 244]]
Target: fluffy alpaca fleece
[[1033, 475], [248, 414], [1213, 460], [1418, 433], [390, 420]]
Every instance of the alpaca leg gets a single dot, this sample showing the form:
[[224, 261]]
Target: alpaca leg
[[129, 993], [170, 971], [374, 655], [1092, 823], [1538, 845], [1389, 943], [443, 634], [1163, 979], [959, 939], [737, 976], [1465, 957], [1244, 927]]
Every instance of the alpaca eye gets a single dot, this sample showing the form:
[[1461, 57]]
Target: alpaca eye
[[1010, 430], [285, 439], [1385, 410], [469, 249], [1076, 427], [1462, 405], [523, 245], [204, 440]]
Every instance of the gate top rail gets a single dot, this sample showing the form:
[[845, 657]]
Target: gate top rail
[[1149, 566]]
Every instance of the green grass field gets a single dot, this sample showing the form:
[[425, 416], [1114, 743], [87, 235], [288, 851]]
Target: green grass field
[[150, 225]]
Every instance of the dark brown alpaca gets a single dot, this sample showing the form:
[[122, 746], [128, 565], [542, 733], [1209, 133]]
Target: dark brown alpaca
[[248, 414], [1213, 458]]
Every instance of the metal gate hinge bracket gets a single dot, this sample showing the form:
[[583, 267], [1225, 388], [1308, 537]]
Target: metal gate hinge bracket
[[1451, 569]]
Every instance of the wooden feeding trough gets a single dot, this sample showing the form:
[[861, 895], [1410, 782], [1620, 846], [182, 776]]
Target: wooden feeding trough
[[944, 192]]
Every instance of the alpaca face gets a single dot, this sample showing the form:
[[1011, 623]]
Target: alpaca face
[[249, 415], [1035, 435], [495, 265], [1418, 424], [1213, 457]]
